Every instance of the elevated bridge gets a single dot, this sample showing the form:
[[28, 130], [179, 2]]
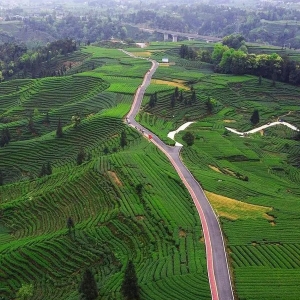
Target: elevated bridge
[[175, 34]]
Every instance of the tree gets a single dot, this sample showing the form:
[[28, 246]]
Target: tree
[[209, 106], [139, 189], [59, 130], [1, 178], [31, 125], [193, 98], [181, 96], [188, 138], [5, 137], [155, 97], [183, 51], [88, 287], [172, 100], [176, 92], [48, 168], [130, 288], [152, 101], [43, 171], [217, 53], [238, 62], [255, 117], [70, 225], [185, 101], [80, 156], [123, 139], [234, 41], [105, 150]]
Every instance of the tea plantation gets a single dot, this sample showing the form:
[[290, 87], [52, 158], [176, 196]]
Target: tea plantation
[[126, 203], [252, 181]]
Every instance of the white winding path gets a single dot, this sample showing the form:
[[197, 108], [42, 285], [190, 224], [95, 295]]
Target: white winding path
[[171, 134], [262, 127]]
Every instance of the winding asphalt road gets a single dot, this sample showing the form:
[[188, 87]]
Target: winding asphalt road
[[217, 264]]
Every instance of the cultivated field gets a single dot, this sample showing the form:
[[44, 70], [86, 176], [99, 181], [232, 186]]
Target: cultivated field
[[156, 227], [252, 182]]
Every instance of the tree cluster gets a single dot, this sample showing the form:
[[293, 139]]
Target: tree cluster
[[272, 66], [211, 19], [178, 96], [17, 59], [88, 28], [187, 52]]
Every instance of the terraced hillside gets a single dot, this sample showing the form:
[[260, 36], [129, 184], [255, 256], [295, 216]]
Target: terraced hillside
[[127, 203], [252, 182]]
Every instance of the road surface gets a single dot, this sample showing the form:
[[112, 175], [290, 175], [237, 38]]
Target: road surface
[[217, 264]]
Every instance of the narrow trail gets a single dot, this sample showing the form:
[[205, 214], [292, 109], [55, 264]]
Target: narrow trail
[[262, 127], [217, 264]]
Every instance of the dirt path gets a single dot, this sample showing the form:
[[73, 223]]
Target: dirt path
[[262, 127]]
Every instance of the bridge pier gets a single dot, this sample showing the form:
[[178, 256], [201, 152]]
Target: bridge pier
[[166, 36], [174, 38]]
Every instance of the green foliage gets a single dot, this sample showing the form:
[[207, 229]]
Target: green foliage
[[76, 120], [209, 105], [80, 156], [43, 171], [30, 126], [234, 41], [5, 137], [130, 287], [189, 138], [139, 189], [25, 292], [123, 139], [173, 100], [218, 52], [88, 286], [255, 117], [59, 129], [70, 226], [187, 52], [152, 101]]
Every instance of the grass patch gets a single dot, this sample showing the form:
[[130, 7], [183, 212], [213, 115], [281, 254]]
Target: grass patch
[[233, 209]]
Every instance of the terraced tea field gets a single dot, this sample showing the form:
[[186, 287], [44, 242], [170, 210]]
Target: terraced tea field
[[252, 182], [158, 229]]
